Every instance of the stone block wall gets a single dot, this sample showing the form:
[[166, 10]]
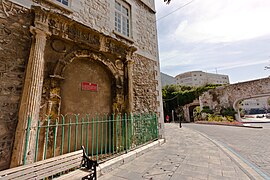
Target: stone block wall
[[145, 35], [15, 42], [145, 85], [143, 26], [229, 95], [96, 16], [99, 15]]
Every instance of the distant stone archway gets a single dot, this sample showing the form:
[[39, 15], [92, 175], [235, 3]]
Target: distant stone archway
[[236, 103], [231, 95], [188, 109]]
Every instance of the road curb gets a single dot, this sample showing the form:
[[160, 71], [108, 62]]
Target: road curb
[[254, 122], [247, 167], [256, 127], [125, 158], [114, 163]]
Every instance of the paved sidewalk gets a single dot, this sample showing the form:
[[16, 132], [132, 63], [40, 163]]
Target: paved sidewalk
[[185, 155], [255, 120]]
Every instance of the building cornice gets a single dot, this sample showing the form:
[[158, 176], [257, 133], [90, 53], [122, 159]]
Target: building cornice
[[61, 26], [151, 8]]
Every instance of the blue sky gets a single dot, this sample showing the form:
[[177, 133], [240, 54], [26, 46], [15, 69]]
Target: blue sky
[[225, 36]]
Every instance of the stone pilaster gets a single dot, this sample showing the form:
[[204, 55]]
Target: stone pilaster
[[129, 64], [31, 98]]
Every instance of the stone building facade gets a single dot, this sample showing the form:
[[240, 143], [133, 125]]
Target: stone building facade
[[200, 78], [255, 105], [50, 48]]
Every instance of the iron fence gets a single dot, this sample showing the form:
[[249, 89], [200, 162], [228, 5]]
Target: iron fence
[[103, 136]]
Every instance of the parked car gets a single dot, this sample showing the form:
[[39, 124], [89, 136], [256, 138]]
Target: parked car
[[260, 116]]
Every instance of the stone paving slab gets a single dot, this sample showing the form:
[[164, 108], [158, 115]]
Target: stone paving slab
[[186, 155], [114, 163], [250, 145]]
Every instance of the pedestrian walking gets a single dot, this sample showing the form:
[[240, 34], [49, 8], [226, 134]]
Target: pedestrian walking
[[167, 118]]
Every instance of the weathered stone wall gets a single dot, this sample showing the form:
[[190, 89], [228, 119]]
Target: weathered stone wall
[[145, 31], [145, 85], [95, 14], [87, 31], [228, 96], [15, 41], [99, 15], [143, 26]]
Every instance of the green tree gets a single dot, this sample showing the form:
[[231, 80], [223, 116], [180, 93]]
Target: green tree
[[175, 96]]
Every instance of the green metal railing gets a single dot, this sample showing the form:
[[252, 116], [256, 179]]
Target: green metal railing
[[103, 136]]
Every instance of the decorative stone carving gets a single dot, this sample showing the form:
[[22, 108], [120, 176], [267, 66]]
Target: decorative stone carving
[[9, 9], [41, 18], [114, 47], [84, 53], [59, 46], [60, 26], [119, 64], [52, 104], [53, 6], [65, 28]]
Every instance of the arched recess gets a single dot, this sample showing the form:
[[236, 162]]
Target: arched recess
[[236, 103], [90, 67], [191, 110], [77, 99]]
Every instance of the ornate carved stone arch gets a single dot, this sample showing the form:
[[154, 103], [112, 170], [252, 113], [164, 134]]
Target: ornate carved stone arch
[[62, 63]]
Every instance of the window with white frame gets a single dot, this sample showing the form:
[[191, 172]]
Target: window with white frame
[[122, 18], [65, 2]]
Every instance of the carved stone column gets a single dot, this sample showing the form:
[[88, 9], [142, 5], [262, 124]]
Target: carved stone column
[[129, 64], [31, 97]]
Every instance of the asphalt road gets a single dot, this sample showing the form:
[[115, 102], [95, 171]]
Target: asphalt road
[[251, 144]]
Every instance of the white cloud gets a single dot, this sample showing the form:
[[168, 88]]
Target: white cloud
[[236, 64], [223, 20], [176, 58], [230, 35]]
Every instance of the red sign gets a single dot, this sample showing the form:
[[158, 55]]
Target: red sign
[[87, 86]]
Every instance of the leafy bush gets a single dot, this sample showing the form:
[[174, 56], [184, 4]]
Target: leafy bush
[[228, 112], [175, 96], [216, 118], [197, 113], [230, 118], [206, 109]]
